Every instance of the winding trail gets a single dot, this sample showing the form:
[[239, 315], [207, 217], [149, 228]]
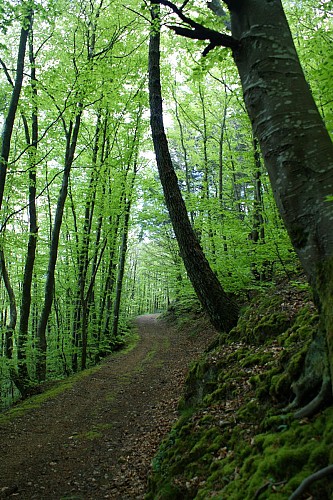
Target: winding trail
[[96, 439]]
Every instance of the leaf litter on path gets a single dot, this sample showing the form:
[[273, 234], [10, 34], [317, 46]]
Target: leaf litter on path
[[96, 440]]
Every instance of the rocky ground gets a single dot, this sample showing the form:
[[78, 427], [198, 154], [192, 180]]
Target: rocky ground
[[96, 439]]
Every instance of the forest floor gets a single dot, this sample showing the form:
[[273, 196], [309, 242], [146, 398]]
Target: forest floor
[[96, 439]]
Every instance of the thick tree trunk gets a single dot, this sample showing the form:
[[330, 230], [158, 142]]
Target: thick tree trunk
[[295, 144], [223, 312]]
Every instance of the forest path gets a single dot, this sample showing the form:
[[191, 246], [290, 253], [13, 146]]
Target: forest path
[[96, 439]]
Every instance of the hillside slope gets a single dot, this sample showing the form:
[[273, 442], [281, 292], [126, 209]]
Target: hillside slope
[[237, 436]]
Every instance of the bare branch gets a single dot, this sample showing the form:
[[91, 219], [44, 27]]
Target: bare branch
[[9, 78], [200, 32]]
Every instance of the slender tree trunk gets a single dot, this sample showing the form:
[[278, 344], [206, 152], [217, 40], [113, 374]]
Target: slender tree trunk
[[33, 228], [121, 270], [72, 136], [10, 118], [182, 142], [80, 313], [133, 159], [223, 312], [10, 328], [106, 305], [206, 190], [123, 254], [88, 302]]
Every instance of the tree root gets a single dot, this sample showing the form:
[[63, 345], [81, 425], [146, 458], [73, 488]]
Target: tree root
[[313, 390], [264, 487], [323, 399], [326, 471]]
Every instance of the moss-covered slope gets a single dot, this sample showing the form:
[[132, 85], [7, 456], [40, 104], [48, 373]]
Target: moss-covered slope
[[233, 439]]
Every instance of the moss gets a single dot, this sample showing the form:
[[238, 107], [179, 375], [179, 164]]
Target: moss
[[250, 411], [96, 432], [262, 319], [260, 448], [258, 358]]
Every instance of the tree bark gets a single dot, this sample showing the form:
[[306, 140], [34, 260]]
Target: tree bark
[[10, 118], [296, 147], [222, 311], [72, 136], [32, 143], [10, 328], [295, 144]]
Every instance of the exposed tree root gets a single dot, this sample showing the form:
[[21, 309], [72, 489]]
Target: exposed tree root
[[264, 487], [323, 399], [326, 471], [313, 389]]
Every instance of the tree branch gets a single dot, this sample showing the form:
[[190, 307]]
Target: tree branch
[[199, 32]]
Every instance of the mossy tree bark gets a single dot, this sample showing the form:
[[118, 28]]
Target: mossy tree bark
[[222, 310]]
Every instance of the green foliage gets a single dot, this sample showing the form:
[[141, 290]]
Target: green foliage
[[226, 189]]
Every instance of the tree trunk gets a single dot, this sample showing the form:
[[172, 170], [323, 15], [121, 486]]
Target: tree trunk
[[123, 253], [10, 118], [10, 328], [295, 144], [80, 314], [32, 143], [223, 312], [72, 136]]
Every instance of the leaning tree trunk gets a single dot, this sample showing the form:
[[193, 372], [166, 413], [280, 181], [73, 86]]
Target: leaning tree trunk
[[222, 311], [295, 144]]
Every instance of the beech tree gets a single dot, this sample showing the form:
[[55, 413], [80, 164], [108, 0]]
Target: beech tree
[[295, 144], [222, 310]]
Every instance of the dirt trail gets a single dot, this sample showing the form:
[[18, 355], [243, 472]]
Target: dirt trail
[[96, 440]]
